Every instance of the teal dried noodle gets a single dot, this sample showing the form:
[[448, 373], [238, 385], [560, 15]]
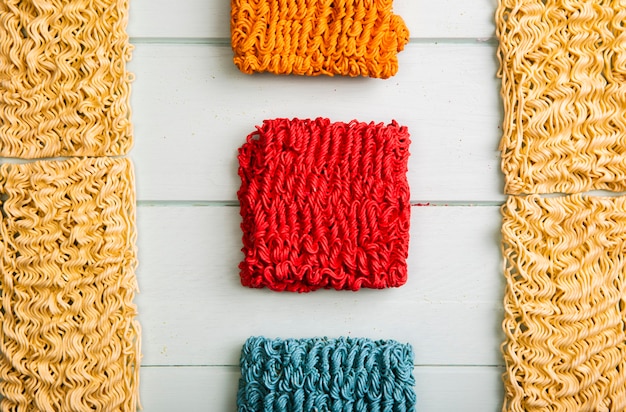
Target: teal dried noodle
[[321, 374]]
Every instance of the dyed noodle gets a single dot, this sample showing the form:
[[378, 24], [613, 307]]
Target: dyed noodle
[[324, 205], [321, 374], [313, 37]]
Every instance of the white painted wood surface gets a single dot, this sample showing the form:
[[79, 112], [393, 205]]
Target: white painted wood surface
[[192, 109]]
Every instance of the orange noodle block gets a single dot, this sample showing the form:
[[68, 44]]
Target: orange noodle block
[[563, 70], [564, 303], [69, 338], [313, 37], [64, 88]]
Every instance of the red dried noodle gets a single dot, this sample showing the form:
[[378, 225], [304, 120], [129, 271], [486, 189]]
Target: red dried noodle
[[324, 205]]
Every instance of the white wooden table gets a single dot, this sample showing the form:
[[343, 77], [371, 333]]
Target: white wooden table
[[192, 109]]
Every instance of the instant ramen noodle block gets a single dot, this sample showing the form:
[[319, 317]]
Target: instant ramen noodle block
[[324, 205], [322, 374], [64, 87], [343, 37], [563, 70], [565, 303], [69, 338]]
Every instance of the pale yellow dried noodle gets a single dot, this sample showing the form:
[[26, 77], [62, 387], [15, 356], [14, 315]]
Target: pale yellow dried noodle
[[565, 303], [69, 340], [563, 69], [64, 88]]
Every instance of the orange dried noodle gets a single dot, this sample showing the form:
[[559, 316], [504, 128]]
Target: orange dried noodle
[[69, 340], [565, 303], [64, 88], [563, 70], [313, 37]]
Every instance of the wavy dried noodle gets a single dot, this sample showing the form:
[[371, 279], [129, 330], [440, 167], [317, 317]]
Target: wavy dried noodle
[[324, 205], [565, 303], [313, 37], [563, 69], [68, 336], [321, 374], [64, 88]]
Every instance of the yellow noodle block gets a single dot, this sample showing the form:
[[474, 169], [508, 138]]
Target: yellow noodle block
[[64, 88], [313, 37], [563, 70], [69, 339], [565, 303]]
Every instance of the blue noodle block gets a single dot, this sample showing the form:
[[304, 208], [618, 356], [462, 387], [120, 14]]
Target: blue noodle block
[[326, 375]]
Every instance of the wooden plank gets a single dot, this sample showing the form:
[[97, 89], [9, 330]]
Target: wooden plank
[[454, 254], [448, 19], [211, 18], [193, 109], [189, 388], [440, 389], [195, 312], [468, 389]]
